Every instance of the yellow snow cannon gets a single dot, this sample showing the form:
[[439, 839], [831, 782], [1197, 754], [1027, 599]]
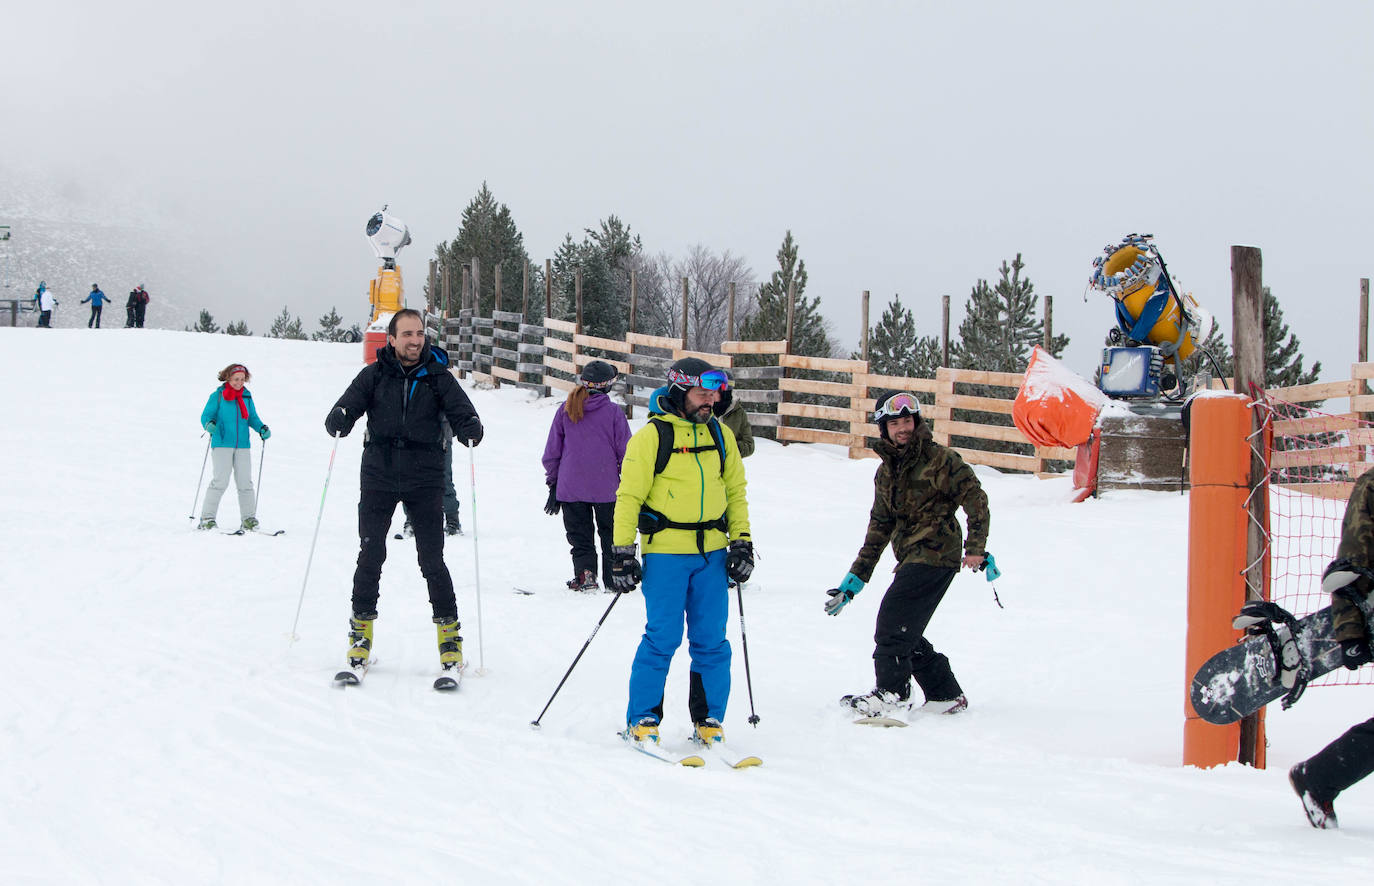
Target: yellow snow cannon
[[386, 292], [1149, 309]]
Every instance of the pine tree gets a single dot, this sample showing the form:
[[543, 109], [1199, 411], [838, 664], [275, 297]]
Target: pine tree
[[284, 326], [999, 329], [1001, 325], [331, 328], [605, 257], [489, 234], [239, 328], [895, 348], [1283, 359], [810, 330], [206, 323]]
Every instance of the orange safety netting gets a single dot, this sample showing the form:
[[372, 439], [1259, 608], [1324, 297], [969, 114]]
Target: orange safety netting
[[1314, 458]]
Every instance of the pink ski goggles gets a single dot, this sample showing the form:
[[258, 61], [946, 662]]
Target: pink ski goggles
[[898, 404]]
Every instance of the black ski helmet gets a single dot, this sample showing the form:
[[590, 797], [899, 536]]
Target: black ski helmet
[[694, 367], [881, 416], [598, 375]]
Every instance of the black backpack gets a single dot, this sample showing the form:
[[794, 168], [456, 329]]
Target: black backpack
[[665, 443]]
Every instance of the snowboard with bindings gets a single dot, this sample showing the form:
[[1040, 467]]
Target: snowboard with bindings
[[1277, 659]]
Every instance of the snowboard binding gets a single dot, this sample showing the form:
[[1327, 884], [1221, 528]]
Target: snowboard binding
[[1280, 628]]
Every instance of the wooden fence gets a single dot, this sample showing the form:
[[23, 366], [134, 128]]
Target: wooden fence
[[506, 350], [1349, 450]]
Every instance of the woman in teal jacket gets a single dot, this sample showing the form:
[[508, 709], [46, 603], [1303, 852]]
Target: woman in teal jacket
[[228, 416]]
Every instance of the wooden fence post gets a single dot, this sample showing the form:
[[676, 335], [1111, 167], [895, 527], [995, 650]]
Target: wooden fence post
[[548, 288], [476, 286], [1247, 325], [525, 292], [432, 302], [730, 316], [786, 371], [944, 334], [863, 327], [1049, 323], [634, 300], [496, 296]]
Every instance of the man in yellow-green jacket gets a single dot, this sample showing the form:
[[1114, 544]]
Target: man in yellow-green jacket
[[682, 488]]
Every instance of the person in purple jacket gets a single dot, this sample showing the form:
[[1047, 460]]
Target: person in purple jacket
[[582, 468]]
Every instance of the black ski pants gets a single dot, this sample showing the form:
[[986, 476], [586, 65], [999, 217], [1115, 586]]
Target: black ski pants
[[901, 650], [426, 509], [1342, 763], [95, 317], [140, 312], [578, 519]]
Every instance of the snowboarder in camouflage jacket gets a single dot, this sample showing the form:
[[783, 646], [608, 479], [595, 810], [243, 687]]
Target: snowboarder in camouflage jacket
[[917, 489]]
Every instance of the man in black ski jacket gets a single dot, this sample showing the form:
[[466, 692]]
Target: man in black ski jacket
[[404, 394]]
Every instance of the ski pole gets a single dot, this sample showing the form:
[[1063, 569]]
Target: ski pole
[[590, 637], [314, 538], [476, 567], [257, 490], [744, 641], [202, 477]]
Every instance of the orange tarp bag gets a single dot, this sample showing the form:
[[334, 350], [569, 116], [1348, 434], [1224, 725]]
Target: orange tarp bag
[[1055, 407]]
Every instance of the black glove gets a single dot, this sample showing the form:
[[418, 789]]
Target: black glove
[[1355, 652], [469, 433], [625, 571], [739, 562], [337, 423], [551, 506]]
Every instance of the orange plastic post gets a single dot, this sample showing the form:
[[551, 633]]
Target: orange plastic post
[[1220, 460]]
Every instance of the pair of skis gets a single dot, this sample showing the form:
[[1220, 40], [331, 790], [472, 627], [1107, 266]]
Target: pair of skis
[[449, 678], [718, 749], [268, 532]]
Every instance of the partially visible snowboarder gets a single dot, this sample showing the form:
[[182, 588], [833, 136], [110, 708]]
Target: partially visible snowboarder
[[403, 394], [228, 416], [918, 487], [131, 308], [97, 300], [1351, 757], [694, 519], [582, 457]]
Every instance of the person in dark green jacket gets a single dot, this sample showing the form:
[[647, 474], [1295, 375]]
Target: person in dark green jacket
[[917, 489]]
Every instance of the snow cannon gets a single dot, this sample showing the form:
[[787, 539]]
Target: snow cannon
[[1156, 326], [387, 235]]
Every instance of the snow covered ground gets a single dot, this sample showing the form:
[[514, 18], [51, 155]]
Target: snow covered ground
[[158, 727]]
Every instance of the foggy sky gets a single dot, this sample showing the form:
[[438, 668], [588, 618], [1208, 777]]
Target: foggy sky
[[910, 147]]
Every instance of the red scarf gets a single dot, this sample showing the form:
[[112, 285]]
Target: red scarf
[[232, 393]]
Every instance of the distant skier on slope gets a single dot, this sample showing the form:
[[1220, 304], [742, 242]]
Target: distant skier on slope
[[582, 458], [694, 518], [403, 395], [228, 416], [1351, 757], [97, 300], [916, 490]]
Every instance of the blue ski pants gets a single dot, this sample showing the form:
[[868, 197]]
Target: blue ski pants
[[678, 588]]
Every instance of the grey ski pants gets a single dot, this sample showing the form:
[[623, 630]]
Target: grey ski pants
[[240, 461]]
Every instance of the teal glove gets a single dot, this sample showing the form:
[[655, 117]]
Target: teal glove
[[840, 597], [265, 432], [210, 427]]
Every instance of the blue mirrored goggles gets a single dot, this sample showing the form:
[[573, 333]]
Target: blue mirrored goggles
[[897, 405], [714, 380]]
